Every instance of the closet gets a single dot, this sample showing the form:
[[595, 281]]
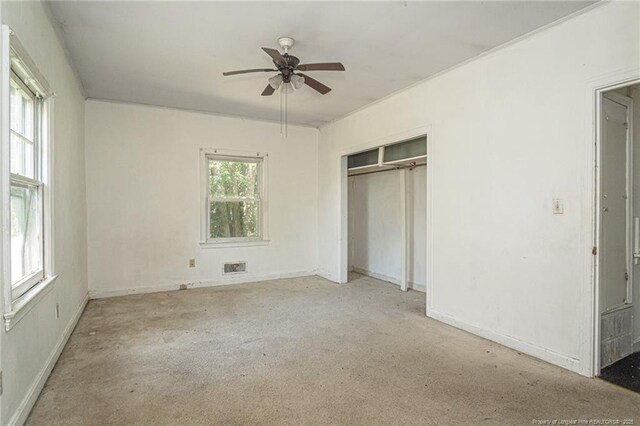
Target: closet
[[387, 213]]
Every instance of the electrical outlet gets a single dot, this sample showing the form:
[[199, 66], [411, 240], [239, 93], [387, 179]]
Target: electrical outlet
[[192, 263], [57, 310]]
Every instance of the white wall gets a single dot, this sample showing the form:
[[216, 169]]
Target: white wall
[[30, 348], [509, 132], [143, 189], [375, 225]]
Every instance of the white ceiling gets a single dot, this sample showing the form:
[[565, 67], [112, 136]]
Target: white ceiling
[[173, 53]]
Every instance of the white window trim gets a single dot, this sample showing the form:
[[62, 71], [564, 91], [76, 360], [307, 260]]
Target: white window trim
[[17, 303], [263, 222]]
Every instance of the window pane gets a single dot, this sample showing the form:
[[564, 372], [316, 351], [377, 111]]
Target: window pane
[[367, 158], [22, 161], [407, 149], [233, 219], [22, 125], [233, 179], [16, 120], [22, 111], [26, 236]]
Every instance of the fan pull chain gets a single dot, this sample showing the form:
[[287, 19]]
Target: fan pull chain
[[280, 111], [284, 112]]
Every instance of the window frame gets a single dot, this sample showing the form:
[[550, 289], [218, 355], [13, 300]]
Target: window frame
[[21, 181], [258, 158], [18, 66]]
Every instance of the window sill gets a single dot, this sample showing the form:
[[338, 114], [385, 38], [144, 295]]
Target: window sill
[[231, 244], [24, 303]]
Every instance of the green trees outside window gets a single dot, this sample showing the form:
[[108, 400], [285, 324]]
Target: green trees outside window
[[234, 198]]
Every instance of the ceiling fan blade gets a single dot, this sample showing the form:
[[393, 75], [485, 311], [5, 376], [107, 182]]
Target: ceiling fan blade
[[268, 91], [276, 56], [248, 71], [327, 66], [315, 84]]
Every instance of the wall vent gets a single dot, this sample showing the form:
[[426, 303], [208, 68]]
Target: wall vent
[[234, 268]]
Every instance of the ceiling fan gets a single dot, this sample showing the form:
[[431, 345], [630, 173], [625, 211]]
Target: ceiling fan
[[288, 68]]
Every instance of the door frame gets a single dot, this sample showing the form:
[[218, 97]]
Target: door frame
[[596, 92], [628, 103]]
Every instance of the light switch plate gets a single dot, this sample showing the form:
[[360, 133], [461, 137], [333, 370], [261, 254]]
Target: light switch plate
[[558, 206]]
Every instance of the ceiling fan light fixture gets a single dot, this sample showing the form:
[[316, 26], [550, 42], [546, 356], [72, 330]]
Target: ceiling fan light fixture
[[297, 81], [275, 81]]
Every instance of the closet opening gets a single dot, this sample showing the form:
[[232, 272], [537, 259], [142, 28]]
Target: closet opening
[[386, 213]]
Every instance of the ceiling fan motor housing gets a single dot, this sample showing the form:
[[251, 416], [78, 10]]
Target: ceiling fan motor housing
[[286, 43], [287, 71]]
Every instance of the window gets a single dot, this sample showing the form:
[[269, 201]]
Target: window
[[407, 150], [363, 159], [27, 267], [234, 207], [26, 215]]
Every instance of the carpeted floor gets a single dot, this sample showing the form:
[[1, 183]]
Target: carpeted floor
[[625, 373], [302, 351]]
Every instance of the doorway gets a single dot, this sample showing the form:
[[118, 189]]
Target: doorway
[[386, 209], [619, 235]]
